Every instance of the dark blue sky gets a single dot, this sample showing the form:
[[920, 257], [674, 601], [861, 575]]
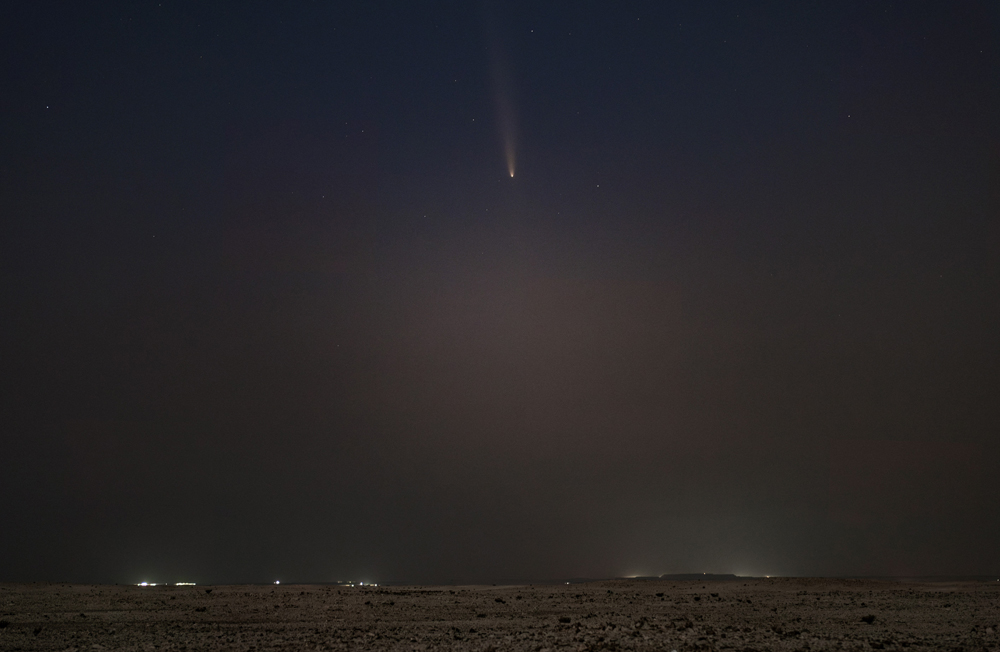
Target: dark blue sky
[[272, 306]]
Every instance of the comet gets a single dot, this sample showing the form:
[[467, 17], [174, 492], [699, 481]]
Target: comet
[[506, 121], [508, 131]]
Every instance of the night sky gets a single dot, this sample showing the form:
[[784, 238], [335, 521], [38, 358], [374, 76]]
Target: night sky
[[453, 291]]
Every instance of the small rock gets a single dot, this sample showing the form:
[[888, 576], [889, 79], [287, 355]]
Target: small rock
[[870, 618]]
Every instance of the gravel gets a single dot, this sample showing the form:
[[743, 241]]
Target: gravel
[[757, 614]]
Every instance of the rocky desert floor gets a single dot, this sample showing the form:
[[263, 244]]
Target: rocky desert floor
[[752, 614]]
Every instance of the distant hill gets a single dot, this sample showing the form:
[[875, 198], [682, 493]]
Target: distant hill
[[703, 577]]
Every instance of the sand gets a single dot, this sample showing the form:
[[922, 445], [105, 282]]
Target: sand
[[774, 614]]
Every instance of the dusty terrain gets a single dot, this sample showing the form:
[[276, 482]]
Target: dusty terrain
[[775, 614]]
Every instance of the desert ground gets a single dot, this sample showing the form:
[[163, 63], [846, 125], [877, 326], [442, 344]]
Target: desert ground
[[751, 614]]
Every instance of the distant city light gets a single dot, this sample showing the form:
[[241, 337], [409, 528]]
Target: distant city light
[[354, 583], [277, 582], [185, 584]]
